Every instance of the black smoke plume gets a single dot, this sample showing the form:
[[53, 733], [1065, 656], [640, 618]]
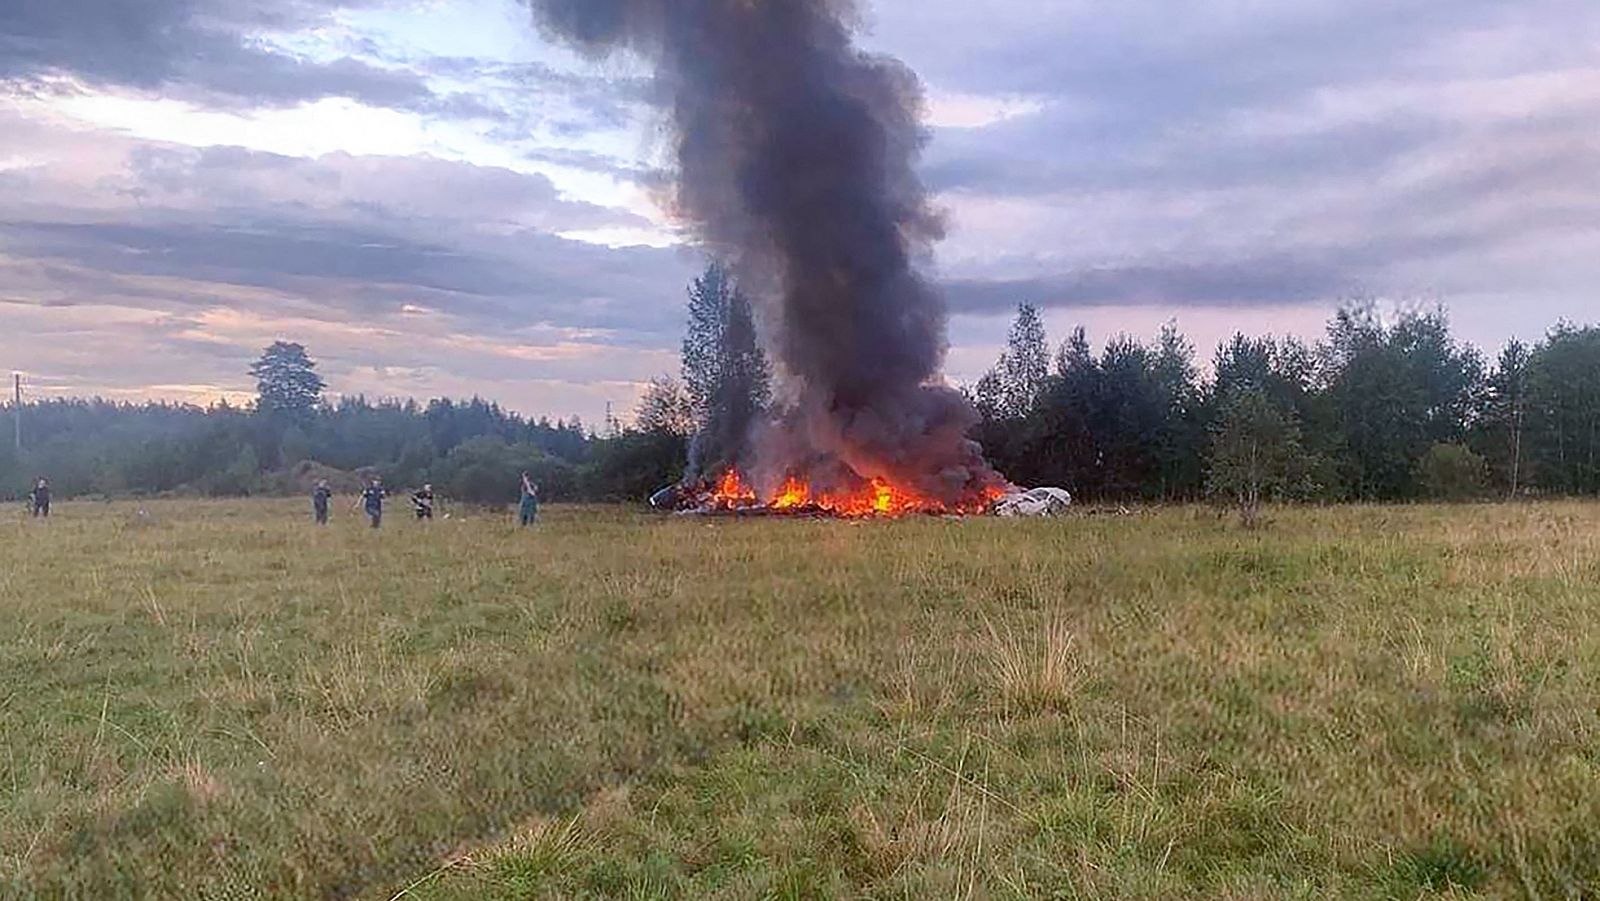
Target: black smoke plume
[[795, 157]]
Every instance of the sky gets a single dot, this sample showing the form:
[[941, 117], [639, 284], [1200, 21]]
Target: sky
[[437, 201]]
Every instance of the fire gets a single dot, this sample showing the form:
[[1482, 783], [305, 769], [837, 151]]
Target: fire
[[794, 494], [733, 492], [876, 497]]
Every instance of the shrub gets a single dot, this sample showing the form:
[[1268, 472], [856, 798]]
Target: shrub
[[1256, 454], [487, 470], [1451, 472]]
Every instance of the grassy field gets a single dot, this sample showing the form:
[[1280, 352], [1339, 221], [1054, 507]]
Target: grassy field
[[213, 700]]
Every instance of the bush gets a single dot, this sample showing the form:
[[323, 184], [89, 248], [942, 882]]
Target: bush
[[300, 479], [634, 465], [487, 470], [1451, 472], [1256, 454]]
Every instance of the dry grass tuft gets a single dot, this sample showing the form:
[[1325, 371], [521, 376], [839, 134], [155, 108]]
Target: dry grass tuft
[[542, 848], [1035, 672]]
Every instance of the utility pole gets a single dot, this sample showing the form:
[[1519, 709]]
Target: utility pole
[[16, 409]]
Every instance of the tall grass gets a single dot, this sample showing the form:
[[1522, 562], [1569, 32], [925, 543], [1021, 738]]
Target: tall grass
[[213, 700]]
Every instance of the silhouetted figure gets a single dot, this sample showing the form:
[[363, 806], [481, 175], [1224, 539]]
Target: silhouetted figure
[[422, 502], [40, 498], [320, 496], [372, 500], [528, 512]]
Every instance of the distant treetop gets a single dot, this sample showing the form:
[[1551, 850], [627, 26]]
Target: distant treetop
[[286, 380]]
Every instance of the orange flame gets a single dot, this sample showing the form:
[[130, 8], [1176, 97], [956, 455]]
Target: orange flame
[[733, 492], [792, 495], [877, 497]]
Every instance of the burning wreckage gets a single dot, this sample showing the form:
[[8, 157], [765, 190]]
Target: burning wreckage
[[795, 164], [731, 496]]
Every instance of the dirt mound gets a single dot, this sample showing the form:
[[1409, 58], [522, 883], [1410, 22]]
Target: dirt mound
[[303, 476]]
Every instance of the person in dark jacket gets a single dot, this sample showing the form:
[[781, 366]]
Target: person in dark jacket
[[422, 502], [40, 498], [372, 500], [320, 496]]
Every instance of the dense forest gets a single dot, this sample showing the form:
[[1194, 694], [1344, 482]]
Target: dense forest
[[1381, 408]]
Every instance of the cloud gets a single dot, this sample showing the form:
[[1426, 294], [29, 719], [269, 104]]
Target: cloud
[[1248, 154], [1221, 161], [213, 51], [1244, 284], [187, 259]]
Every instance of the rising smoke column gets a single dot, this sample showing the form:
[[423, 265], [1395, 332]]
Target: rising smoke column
[[795, 156]]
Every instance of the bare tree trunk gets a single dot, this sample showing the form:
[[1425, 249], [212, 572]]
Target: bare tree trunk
[[1249, 510], [1516, 453], [1589, 476]]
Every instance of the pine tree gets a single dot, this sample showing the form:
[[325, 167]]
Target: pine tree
[[286, 380], [709, 298], [725, 370], [1180, 440]]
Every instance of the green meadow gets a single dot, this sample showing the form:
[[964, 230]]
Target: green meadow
[[215, 700]]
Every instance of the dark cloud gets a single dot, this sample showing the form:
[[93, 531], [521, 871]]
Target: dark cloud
[[206, 50], [212, 52], [346, 236], [1126, 103], [388, 192], [1323, 270], [1243, 284], [1146, 63], [354, 272], [263, 254], [1030, 157]]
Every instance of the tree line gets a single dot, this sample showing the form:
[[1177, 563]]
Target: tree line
[[1379, 409], [472, 451], [469, 448]]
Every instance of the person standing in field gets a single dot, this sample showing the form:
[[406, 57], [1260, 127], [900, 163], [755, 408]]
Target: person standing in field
[[320, 496], [422, 502], [40, 498], [528, 512], [372, 500]]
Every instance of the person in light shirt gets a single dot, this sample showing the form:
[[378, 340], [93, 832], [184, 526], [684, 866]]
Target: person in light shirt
[[528, 511]]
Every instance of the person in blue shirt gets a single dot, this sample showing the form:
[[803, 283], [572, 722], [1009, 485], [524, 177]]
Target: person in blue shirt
[[528, 512], [319, 501], [372, 500]]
